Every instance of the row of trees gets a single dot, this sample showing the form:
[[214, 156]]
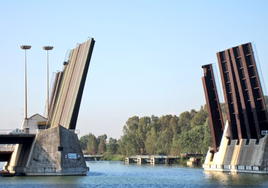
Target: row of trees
[[167, 135], [98, 145]]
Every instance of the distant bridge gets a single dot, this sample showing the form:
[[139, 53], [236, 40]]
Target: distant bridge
[[152, 159], [93, 157]]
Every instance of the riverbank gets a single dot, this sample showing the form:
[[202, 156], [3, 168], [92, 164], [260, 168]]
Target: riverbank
[[113, 158]]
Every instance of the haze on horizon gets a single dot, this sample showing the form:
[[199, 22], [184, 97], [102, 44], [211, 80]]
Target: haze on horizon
[[146, 61]]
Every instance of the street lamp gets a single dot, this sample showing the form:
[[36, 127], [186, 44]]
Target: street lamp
[[47, 48], [25, 47]]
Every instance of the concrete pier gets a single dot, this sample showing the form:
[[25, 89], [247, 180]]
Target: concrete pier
[[129, 160], [246, 157], [55, 151], [49, 146], [153, 159]]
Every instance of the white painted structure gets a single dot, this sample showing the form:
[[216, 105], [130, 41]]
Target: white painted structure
[[30, 125], [246, 157]]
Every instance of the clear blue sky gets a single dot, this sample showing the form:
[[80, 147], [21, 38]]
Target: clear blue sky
[[147, 57]]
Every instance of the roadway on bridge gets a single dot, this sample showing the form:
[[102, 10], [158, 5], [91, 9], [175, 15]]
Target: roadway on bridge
[[16, 138]]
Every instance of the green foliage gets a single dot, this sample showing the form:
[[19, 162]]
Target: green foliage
[[207, 137], [183, 160], [118, 158], [92, 145], [109, 157], [165, 135], [98, 145], [83, 141], [199, 118], [112, 147]]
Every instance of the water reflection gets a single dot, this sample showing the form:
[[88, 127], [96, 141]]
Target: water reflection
[[118, 174], [226, 178]]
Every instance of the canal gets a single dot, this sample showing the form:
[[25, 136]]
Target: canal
[[118, 174]]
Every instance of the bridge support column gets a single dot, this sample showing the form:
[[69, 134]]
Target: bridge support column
[[155, 160], [129, 160], [56, 151], [141, 160]]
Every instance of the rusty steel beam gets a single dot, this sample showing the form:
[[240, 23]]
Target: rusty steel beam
[[250, 97], [229, 92], [244, 100], [213, 106], [235, 99], [256, 98], [242, 89]]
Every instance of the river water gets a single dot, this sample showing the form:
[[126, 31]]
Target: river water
[[118, 174]]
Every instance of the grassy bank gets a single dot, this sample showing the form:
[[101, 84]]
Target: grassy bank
[[113, 158]]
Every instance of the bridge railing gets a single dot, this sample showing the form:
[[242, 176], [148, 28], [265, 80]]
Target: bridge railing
[[7, 148], [28, 131], [154, 156]]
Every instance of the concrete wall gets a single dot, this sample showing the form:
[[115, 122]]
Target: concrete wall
[[248, 157], [46, 159], [229, 153], [45, 156]]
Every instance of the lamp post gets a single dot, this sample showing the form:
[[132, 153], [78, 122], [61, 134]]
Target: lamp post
[[47, 48], [25, 47]]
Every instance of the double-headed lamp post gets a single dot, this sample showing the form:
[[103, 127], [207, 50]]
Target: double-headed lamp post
[[25, 47], [47, 48]]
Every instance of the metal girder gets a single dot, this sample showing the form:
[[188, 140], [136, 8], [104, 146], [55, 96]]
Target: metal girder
[[229, 91], [213, 106], [244, 100]]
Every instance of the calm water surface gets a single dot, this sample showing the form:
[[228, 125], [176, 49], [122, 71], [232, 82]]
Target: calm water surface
[[117, 174]]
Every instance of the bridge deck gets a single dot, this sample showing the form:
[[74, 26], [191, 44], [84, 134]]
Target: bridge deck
[[5, 155], [16, 138]]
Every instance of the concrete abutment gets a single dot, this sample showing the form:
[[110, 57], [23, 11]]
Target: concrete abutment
[[55, 151]]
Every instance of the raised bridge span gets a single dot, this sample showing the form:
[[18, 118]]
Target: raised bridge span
[[55, 150]]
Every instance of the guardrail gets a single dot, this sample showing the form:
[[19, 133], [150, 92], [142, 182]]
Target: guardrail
[[154, 156], [29, 131], [7, 148]]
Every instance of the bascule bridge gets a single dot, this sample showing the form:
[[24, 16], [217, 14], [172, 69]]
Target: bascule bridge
[[54, 149], [241, 144]]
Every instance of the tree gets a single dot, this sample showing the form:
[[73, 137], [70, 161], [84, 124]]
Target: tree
[[128, 145], [199, 117], [83, 141], [150, 144], [165, 122], [102, 146], [207, 137], [163, 143], [184, 121], [175, 147], [112, 146], [154, 118], [92, 145], [174, 125]]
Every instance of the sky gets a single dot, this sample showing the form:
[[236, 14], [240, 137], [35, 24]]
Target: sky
[[146, 61]]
